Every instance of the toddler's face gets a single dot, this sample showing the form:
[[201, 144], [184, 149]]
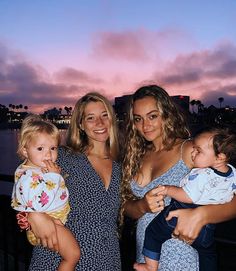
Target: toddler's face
[[203, 154], [41, 147]]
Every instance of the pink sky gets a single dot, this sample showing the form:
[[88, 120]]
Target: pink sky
[[58, 69]]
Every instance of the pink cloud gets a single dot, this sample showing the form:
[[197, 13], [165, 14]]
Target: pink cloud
[[22, 82], [71, 75], [126, 45], [139, 45], [202, 72]]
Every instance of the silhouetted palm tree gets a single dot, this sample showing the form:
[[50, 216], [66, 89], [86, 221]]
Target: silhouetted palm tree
[[70, 109], [198, 104], [221, 99], [192, 103]]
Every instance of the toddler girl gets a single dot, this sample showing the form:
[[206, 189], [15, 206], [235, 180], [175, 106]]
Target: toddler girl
[[39, 187]]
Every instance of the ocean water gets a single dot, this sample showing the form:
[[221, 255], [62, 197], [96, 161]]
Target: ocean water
[[8, 146]]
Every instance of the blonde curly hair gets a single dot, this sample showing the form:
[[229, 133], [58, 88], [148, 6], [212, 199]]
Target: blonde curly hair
[[32, 125], [174, 127]]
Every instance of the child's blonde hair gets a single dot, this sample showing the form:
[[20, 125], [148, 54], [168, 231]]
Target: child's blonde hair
[[32, 125]]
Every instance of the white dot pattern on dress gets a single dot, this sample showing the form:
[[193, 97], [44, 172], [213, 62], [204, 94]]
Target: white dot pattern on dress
[[93, 217]]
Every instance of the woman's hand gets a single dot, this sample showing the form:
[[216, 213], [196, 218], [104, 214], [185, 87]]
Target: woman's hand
[[43, 226], [154, 200], [189, 223]]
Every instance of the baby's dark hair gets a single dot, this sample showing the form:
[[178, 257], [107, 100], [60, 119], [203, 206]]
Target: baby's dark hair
[[224, 141]]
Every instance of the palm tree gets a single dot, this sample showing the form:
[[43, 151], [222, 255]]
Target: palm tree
[[26, 107], [70, 109], [66, 109], [193, 102], [221, 99], [198, 104]]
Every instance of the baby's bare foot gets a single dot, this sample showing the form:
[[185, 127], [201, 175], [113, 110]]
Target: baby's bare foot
[[143, 267]]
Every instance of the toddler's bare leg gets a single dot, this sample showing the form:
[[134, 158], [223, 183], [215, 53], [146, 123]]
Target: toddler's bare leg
[[68, 249]]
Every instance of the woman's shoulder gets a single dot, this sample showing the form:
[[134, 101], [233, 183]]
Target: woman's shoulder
[[63, 150], [186, 152], [65, 153], [117, 165]]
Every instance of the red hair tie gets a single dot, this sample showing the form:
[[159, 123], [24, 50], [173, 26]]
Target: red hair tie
[[22, 221]]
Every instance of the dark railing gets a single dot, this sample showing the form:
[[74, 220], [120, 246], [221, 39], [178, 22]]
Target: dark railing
[[15, 251], [225, 237]]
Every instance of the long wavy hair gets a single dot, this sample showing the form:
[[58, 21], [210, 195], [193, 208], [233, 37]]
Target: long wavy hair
[[174, 127], [77, 139]]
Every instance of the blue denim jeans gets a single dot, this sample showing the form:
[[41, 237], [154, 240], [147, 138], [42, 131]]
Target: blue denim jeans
[[160, 230]]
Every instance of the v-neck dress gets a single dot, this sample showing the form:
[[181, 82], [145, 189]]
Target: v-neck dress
[[92, 219], [172, 177], [174, 253]]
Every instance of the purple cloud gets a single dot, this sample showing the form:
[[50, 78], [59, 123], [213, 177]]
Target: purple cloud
[[73, 75], [127, 45], [204, 74], [24, 83]]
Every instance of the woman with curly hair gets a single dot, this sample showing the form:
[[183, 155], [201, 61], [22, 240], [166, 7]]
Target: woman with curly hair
[[158, 152]]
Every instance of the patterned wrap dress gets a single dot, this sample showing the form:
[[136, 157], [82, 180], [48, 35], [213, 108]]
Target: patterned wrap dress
[[171, 177], [92, 219]]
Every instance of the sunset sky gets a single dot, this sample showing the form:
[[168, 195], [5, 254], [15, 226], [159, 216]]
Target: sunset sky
[[54, 51]]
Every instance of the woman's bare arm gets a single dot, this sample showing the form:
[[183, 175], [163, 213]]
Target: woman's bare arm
[[191, 221], [43, 226], [150, 203]]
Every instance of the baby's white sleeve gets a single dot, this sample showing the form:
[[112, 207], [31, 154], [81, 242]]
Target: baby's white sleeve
[[195, 185]]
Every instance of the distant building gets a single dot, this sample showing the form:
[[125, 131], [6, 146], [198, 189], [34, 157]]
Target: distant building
[[182, 101], [121, 106], [16, 117]]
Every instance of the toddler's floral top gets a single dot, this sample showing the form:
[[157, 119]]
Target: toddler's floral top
[[35, 191]]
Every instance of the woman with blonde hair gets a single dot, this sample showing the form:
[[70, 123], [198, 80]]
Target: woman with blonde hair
[[93, 179], [158, 152]]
